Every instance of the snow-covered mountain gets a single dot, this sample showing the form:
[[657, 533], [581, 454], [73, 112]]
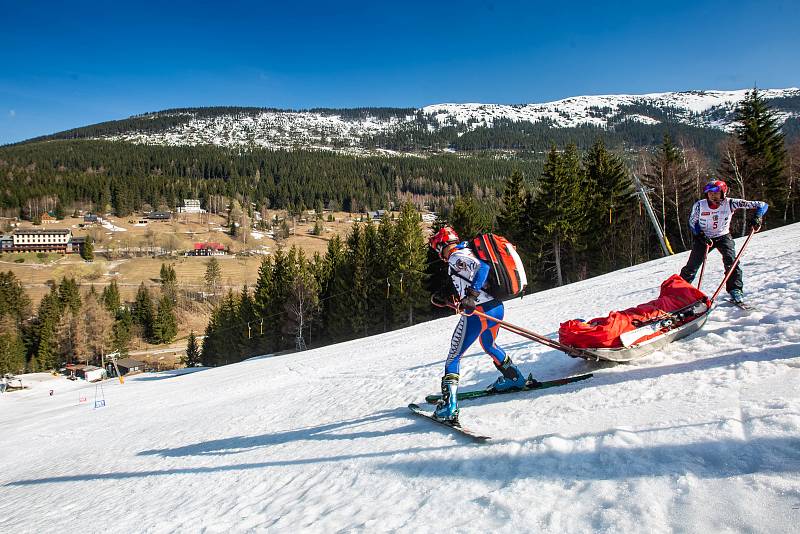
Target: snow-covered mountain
[[354, 130], [703, 436]]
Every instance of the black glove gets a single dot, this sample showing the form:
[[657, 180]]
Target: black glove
[[703, 238], [755, 223], [467, 304]]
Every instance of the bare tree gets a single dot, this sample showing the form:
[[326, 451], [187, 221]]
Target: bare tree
[[301, 305], [732, 160], [99, 326]]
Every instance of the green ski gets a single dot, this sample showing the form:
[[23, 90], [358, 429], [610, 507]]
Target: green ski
[[531, 385]]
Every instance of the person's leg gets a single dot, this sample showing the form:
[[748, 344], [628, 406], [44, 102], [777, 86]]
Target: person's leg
[[512, 377], [464, 335], [696, 257], [727, 248]]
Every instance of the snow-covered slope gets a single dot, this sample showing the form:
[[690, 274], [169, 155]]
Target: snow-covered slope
[[703, 436], [349, 132]]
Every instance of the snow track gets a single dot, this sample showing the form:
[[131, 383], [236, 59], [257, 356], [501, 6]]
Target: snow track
[[703, 436]]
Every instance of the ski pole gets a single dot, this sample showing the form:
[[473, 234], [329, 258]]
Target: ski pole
[[733, 265], [703, 268]]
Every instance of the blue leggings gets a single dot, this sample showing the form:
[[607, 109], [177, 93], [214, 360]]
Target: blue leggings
[[472, 327]]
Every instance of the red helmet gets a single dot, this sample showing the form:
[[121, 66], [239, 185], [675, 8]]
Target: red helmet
[[445, 236], [714, 186]]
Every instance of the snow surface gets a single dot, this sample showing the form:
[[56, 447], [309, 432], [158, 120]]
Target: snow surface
[[703, 436]]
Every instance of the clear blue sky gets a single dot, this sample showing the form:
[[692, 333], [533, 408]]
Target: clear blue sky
[[69, 64]]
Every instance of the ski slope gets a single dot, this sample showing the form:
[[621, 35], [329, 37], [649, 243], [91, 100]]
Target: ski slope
[[703, 436]]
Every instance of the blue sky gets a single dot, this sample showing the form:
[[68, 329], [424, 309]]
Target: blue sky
[[69, 64]]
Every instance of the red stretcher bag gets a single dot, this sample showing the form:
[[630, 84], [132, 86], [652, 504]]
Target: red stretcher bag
[[604, 332]]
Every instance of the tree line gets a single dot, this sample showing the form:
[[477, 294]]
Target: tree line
[[75, 326]]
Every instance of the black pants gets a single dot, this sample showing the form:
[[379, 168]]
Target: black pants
[[726, 247]]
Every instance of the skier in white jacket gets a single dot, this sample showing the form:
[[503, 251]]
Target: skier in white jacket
[[710, 223]]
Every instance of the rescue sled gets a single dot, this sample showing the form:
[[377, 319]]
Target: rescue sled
[[680, 310]]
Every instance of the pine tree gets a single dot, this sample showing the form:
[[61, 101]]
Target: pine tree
[[193, 356], [87, 250], [213, 275], [111, 298], [45, 349], [122, 330], [262, 342], [468, 217], [165, 325], [69, 295], [12, 349], [331, 275], [142, 312], [510, 218], [556, 215], [409, 257], [764, 167], [13, 299], [612, 206]]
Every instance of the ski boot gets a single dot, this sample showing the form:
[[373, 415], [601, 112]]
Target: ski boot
[[737, 295], [512, 378], [447, 407]]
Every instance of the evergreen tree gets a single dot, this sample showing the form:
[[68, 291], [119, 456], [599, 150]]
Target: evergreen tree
[[87, 250], [14, 302], [12, 349], [45, 346], [261, 342], [248, 336], [122, 331], [408, 256], [556, 216], [213, 275], [468, 219], [510, 218], [111, 298], [764, 167], [69, 295], [169, 282], [612, 207], [331, 274], [165, 325], [142, 312], [193, 356]]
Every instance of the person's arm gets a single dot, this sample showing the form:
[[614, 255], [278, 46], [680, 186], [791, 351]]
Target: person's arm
[[694, 220], [760, 207]]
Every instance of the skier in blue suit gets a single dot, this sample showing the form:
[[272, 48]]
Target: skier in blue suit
[[469, 274]]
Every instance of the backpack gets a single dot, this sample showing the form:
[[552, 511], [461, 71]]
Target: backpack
[[507, 277]]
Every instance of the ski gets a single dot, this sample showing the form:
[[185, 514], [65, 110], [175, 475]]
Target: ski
[[531, 386], [464, 431], [742, 305]]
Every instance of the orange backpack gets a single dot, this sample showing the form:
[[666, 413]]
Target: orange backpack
[[507, 277]]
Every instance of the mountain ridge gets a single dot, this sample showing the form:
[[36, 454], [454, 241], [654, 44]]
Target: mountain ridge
[[439, 126]]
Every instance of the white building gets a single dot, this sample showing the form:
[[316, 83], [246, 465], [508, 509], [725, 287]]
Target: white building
[[191, 205], [35, 240]]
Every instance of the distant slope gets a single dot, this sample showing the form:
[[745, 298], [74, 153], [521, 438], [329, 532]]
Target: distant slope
[[439, 126], [703, 436]]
